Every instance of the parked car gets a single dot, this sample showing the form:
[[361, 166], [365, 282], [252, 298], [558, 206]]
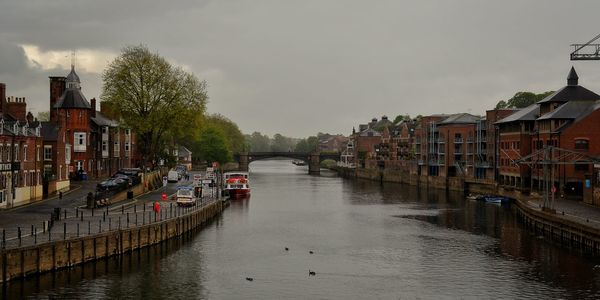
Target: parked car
[[113, 184], [173, 176]]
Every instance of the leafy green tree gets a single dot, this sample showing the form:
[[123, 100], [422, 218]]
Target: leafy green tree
[[212, 146], [43, 116], [258, 142], [400, 118], [235, 139], [281, 143], [522, 99], [152, 97]]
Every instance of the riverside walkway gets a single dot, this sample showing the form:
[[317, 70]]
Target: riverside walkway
[[571, 210], [30, 225]]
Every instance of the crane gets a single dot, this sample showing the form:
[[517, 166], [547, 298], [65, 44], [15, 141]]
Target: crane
[[587, 51]]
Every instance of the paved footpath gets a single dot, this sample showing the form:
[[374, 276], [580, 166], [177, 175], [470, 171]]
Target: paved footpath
[[29, 219], [572, 210]]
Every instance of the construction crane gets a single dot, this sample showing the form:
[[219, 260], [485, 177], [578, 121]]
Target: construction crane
[[587, 51]]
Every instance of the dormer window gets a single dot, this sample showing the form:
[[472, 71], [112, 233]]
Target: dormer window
[[16, 128], [38, 130], [1, 126]]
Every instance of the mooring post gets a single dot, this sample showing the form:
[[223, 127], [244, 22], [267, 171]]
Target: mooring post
[[109, 223], [127, 220], [19, 235], [122, 208], [64, 231], [89, 227], [3, 238], [99, 226], [77, 229], [34, 236], [92, 211], [76, 212], [65, 213], [31, 229]]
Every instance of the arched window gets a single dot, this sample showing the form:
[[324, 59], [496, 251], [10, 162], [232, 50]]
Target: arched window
[[582, 144]]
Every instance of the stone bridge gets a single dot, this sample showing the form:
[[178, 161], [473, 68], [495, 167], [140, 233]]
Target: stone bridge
[[313, 159]]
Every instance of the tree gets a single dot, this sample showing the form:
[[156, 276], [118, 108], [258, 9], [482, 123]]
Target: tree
[[400, 118], [234, 137], [258, 142], [152, 97], [522, 99], [281, 143], [212, 146], [43, 116]]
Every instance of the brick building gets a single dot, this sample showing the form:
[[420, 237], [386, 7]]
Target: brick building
[[566, 119], [93, 143], [20, 153]]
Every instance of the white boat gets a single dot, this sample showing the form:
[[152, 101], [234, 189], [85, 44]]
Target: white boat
[[237, 184]]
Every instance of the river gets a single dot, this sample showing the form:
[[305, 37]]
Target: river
[[369, 241]]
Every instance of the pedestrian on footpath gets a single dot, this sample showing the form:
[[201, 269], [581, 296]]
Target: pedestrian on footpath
[[59, 195], [157, 208]]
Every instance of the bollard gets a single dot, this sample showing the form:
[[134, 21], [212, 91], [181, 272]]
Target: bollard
[[171, 210], [81, 216], [31, 229], [107, 209], [143, 218], [76, 212], [65, 213], [89, 227], [92, 211], [109, 221], [64, 231], [77, 229], [34, 236], [99, 226], [49, 235], [104, 216], [144, 207], [3, 238], [127, 220], [119, 222], [123, 209], [19, 235], [136, 220], [135, 208]]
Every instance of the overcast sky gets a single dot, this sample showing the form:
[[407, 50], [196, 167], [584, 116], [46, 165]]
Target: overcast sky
[[300, 67]]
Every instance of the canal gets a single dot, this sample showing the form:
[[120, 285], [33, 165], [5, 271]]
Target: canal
[[368, 241]]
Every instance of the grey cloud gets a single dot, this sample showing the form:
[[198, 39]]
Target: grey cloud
[[299, 67]]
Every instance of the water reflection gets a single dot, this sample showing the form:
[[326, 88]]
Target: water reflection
[[369, 241]]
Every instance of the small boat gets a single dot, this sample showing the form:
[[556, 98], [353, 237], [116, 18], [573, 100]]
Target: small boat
[[237, 185], [298, 162], [493, 198]]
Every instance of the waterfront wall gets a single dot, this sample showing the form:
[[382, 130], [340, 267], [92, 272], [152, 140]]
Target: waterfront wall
[[33, 260]]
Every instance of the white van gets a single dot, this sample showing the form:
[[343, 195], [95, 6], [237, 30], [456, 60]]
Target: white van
[[173, 176]]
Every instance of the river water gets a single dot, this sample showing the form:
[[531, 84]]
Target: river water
[[369, 241]]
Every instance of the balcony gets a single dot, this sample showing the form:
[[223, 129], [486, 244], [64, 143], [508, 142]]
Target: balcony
[[458, 140]]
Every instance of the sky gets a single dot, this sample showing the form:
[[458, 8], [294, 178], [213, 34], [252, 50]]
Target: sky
[[302, 67]]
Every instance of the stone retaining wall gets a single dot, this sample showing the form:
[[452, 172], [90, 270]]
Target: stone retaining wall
[[33, 260]]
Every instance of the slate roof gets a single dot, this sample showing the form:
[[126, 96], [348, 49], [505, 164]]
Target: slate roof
[[49, 131], [72, 98], [571, 110], [101, 120], [370, 132], [529, 113], [572, 91], [462, 118]]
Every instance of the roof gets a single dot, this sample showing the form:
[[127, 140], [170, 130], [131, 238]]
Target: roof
[[101, 120], [529, 113], [370, 132], [182, 150], [569, 93], [73, 77], [49, 131], [463, 118], [72, 98], [571, 110]]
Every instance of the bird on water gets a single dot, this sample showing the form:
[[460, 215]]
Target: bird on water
[[287, 249], [311, 273], [311, 252], [249, 278]]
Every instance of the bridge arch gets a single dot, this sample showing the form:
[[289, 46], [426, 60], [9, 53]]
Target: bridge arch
[[313, 159]]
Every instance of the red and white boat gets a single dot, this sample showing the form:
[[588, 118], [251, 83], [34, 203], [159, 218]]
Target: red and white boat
[[237, 184]]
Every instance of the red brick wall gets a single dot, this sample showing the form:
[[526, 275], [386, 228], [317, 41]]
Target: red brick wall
[[57, 87]]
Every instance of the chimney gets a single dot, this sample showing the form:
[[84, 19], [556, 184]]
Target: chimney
[[57, 88], [2, 96], [29, 117], [93, 101]]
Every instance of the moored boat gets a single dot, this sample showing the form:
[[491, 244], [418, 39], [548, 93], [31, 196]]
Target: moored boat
[[237, 184]]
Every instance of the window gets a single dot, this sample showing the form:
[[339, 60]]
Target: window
[[16, 152], [104, 146], [104, 130], [582, 145], [80, 141], [24, 152], [48, 152], [127, 147]]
